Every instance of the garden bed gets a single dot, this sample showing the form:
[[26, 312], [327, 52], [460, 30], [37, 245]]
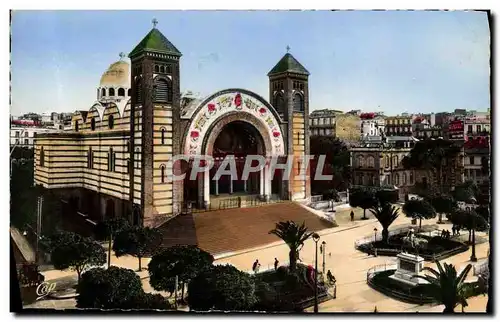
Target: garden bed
[[437, 248], [382, 283], [280, 291]]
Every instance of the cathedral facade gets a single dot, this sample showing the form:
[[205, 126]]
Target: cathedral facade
[[115, 159]]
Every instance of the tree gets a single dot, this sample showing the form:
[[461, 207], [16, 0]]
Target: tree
[[419, 209], [149, 301], [222, 288], [387, 195], [70, 250], [112, 288], [337, 163], [386, 214], [137, 241], [294, 236], [363, 198], [184, 261], [471, 221], [467, 192], [432, 156], [442, 203], [445, 286], [109, 228]]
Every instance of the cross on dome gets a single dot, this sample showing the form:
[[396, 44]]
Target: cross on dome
[[287, 48], [122, 55], [155, 22]]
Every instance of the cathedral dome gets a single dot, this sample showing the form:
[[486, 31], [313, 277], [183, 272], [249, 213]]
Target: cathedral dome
[[117, 74]]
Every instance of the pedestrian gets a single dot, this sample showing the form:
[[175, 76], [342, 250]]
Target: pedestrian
[[255, 266], [443, 233], [276, 263], [453, 230], [352, 215], [330, 277]]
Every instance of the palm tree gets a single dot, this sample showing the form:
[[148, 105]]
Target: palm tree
[[385, 214], [446, 287], [294, 236]]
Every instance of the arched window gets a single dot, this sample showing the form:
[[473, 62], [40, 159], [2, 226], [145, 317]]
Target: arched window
[[92, 124], [111, 92], [162, 69], [89, 158], [162, 168], [76, 125], [404, 178], [138, 91], [103, 92], [121, 92], [298, 103], [129, 92], [111, 122], [162, 90], [111, 161], [163, 135], [168, 69], [395, 161], [42, 157], [157, 69], [371, 162], [361, 161], [279, 103], [396, 179]]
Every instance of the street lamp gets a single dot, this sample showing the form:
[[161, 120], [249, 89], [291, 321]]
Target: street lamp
[[324, 252], [473, 257], [315, 237]]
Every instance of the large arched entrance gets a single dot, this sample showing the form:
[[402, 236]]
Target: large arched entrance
[[237, 139], [235, 123]]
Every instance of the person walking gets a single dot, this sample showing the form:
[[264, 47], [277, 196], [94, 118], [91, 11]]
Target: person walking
[[352, 215], [256, 266], [276, 264]]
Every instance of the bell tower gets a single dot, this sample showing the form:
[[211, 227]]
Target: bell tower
[[154, 123], [289, 94]]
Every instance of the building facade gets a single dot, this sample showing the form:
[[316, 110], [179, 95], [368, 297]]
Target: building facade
[[322, 122], [24, 136], [115, 159], [371, 124], [400, 125]]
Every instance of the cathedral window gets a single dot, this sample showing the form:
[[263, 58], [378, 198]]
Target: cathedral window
[[298, 103], [42, 157], [162, 168], [111, 122], [76, 125], [111, 92], [279, 103], [138, 91], [157, 69], [121, 92], [168, 69], [92, 124], [162, 69], [103, 92], [163, 90], [163, 136], [90, 157]]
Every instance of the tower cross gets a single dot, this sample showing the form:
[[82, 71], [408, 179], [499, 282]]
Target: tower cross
[[122, 55], [287, 49], [155, 22]]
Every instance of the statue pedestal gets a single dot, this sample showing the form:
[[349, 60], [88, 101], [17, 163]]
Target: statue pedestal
[[408, 266]]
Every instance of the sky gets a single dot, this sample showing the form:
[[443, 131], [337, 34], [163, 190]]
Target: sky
[[389, 61]]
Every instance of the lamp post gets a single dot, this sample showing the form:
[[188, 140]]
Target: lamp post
[[375, 234], [473, 257], [315, 237], [324, 262]]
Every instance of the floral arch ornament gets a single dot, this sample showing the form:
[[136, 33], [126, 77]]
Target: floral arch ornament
[[226, 103]]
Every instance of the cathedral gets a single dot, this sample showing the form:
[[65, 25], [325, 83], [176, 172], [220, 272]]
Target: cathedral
[[114, 160]]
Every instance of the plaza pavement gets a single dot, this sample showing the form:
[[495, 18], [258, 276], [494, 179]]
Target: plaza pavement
[[348, 265]]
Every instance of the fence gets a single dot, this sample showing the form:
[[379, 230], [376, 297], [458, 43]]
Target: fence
[[397, 294], [231, 203]]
